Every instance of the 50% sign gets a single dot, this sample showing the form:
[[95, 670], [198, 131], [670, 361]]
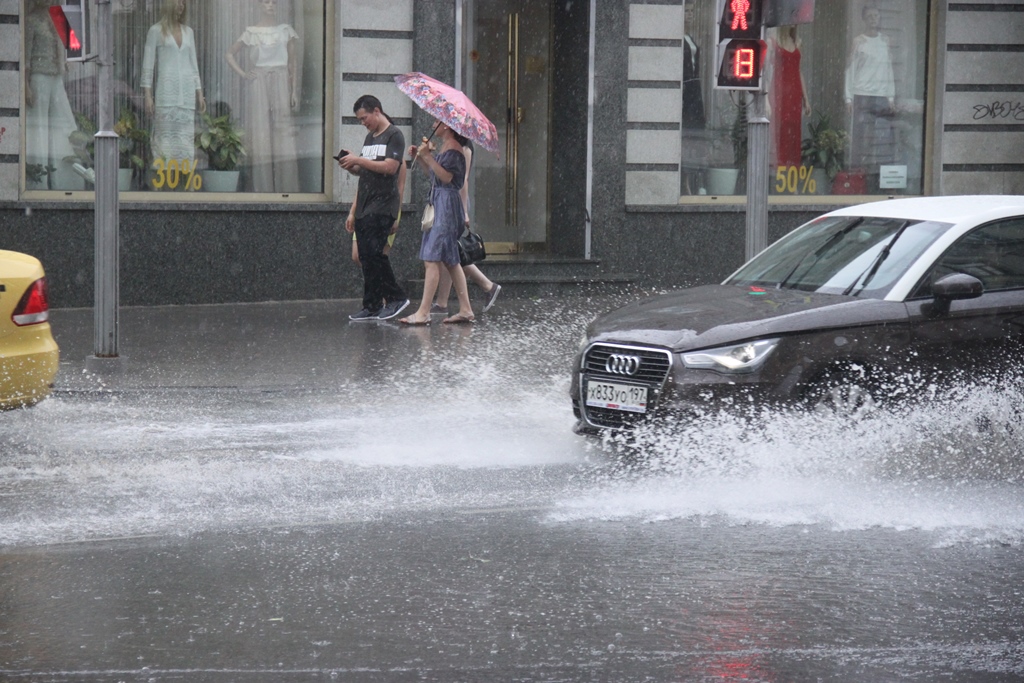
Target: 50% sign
[[791, 179], [171, 172]]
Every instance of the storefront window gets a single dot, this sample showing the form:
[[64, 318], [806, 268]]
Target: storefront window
[[845, 99], [209, 97]]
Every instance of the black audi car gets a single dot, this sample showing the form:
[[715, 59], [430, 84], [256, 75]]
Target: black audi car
[[863, 304]]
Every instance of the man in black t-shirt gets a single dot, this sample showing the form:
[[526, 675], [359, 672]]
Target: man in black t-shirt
[[375, 209]]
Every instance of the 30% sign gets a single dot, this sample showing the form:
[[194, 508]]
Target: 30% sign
[[789, 179], [170, 172]]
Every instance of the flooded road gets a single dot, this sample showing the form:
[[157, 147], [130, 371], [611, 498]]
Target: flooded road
[[273, 494]]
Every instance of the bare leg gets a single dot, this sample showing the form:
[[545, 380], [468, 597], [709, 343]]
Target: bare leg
[[477, 276], [444, 289], [430, 278], [461, 290]]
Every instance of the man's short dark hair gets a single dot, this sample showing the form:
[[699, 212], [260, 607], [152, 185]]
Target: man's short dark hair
[[367, 103]]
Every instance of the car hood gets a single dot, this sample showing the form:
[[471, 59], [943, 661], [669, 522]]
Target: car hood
[[714, 315]]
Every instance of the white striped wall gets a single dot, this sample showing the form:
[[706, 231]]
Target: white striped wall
[[983, 98], [375, 44], [654, 102], [10, 100]]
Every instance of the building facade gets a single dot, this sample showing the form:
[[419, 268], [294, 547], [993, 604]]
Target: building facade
[[619, 158]]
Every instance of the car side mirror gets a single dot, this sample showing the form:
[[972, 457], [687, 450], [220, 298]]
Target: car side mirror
[[954, 287]]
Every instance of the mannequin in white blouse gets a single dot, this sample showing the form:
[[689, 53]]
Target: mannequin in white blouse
[[870, 93], [271, 93], [170, 54]]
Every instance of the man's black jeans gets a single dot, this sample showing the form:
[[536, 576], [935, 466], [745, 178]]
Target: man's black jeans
[[379, 283]]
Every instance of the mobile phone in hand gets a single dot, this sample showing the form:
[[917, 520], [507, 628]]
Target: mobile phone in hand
[[342, 153]]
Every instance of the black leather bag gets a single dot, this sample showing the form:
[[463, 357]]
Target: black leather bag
[[471, 248]]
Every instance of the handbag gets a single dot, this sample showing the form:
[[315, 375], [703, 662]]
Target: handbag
[[471, 248], [427, 221]]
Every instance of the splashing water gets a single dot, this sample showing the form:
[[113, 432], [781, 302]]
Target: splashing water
[[950, 464], [457, 419]]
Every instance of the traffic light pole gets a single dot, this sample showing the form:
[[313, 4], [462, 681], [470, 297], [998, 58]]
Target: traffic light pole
[[106, 261], [757, 176]]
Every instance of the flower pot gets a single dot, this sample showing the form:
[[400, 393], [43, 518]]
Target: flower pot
[[853, 181], [822, 185], [722, 181], [124, 179], [219, 181]]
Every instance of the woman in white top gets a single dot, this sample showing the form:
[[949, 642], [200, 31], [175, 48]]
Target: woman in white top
[[271, 94], [170, 53]]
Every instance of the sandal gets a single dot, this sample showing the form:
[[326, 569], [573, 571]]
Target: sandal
[[459, 319], [412, 322]]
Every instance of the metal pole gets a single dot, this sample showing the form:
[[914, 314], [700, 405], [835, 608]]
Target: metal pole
[[106, 266], [591, 95], [757, 176]]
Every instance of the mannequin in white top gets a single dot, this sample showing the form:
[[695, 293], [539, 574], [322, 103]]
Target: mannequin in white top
[[49, 120], [272, 92], [870, 94], [170, 53]]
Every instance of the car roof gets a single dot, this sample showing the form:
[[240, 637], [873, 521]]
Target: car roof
[[956, 209]]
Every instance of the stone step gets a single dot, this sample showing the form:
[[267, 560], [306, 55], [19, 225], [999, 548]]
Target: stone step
[[505, 266], [517, 285]]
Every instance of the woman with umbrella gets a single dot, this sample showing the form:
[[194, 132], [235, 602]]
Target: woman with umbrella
[[440, 243]]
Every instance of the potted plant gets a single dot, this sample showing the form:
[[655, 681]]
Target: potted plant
[[83, 144], [221, 142], [132, 148], [35, 175], [823, 150], [723, 181]]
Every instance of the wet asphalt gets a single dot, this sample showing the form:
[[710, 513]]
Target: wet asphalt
[[267, 492]]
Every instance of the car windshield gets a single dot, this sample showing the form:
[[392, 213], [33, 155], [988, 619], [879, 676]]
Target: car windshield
[[858, 256]]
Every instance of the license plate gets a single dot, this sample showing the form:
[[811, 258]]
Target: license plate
[[617, 396]]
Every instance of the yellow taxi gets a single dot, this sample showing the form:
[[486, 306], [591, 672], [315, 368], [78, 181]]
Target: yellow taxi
[[28, 354]]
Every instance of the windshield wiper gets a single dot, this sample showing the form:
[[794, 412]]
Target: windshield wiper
[[820, 251], [876, 263]]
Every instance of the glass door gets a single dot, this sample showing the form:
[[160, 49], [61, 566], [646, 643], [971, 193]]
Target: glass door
[[507, 74]]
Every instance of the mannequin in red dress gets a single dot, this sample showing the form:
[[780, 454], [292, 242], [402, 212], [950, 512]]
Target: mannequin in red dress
[[787, 96]]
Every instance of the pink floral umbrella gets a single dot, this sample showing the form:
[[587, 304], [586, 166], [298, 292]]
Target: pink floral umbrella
[[449, 106]]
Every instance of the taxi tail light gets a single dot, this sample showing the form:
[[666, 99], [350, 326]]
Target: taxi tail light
[[34, 307]]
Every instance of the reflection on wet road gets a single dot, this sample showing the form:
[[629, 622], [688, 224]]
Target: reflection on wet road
[[322, 501]]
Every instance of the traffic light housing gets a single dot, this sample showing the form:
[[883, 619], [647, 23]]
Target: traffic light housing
[[739, 19], [70, 21], [739, 58]]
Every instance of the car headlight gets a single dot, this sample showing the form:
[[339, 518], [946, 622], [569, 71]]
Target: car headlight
[[745, 357]]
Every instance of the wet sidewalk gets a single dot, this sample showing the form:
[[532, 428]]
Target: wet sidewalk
[[297, 344]]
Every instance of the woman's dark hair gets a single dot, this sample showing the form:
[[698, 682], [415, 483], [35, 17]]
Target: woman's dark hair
[[368, 103], [461, 139]]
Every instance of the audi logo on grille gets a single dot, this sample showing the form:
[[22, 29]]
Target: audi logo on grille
[[619, 364]]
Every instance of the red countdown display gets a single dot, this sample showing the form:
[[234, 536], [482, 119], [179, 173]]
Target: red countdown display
[[740, 64]]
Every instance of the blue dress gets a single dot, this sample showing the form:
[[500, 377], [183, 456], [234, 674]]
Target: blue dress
[[441, 242]]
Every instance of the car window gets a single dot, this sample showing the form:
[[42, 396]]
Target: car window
[[859, 256], [993, 253]]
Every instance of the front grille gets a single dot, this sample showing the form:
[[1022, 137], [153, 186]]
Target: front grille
[[650, 368]]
